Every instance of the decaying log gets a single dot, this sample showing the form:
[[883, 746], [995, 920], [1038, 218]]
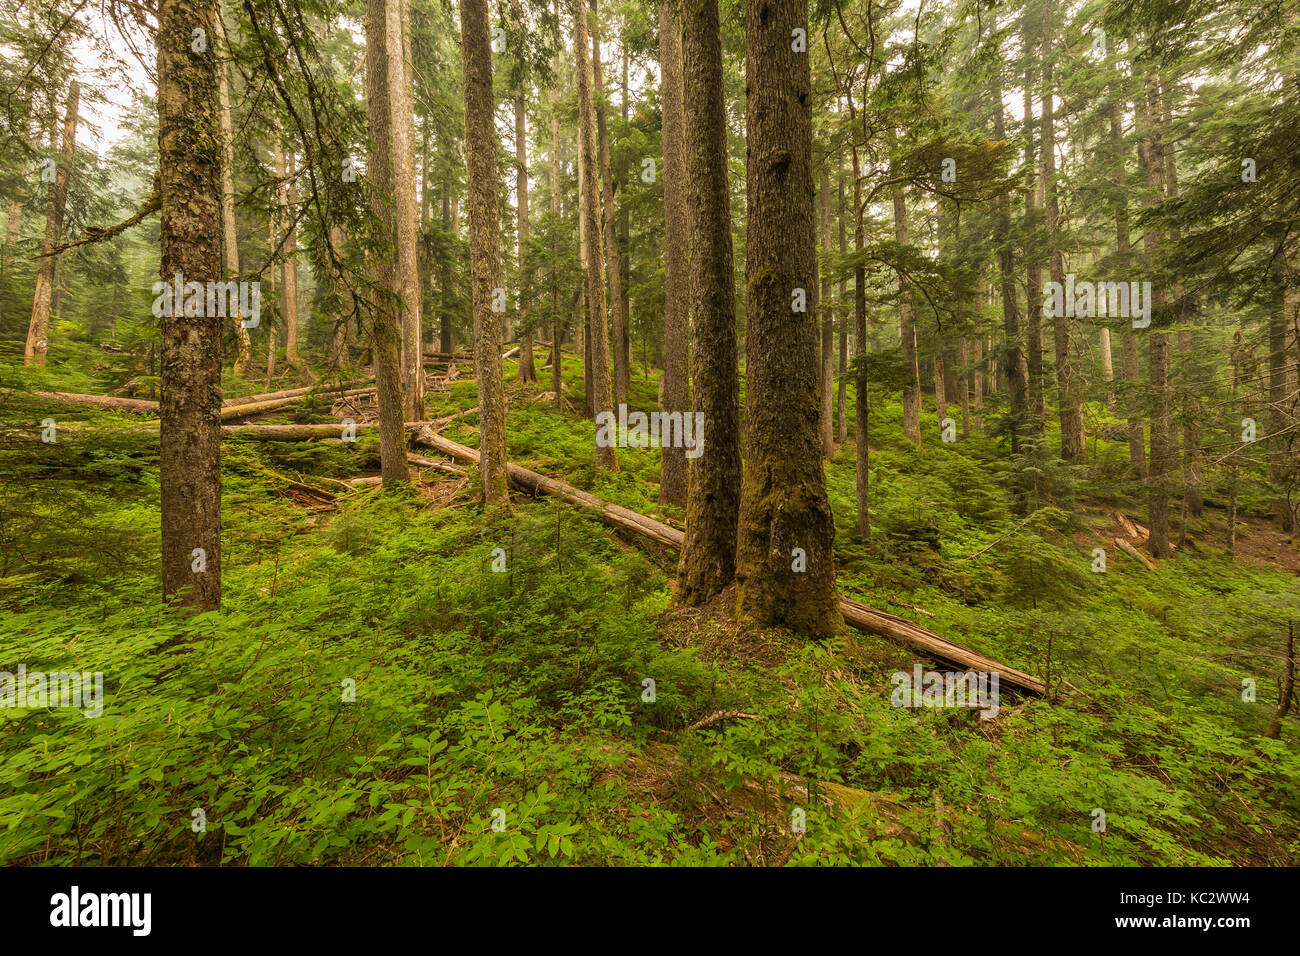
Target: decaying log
[[857, 615], [140, 405], [1140, 556], [235, 412], [302, 390]]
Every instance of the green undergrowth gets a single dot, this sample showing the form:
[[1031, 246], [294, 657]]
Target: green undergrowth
[[505, 716]]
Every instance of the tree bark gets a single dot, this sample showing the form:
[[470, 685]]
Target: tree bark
[[708, 562], [1033, 267], [907, 334], [189, 169], [827, 388], [244, 355], [785, 568], [284, 168], [485, 248], [613, 256], [385, 335], [527, 367], [601, 392], [38, 331], [406, 285], [1013, 355], [1068, 398], [676, 377], [1158, 344]]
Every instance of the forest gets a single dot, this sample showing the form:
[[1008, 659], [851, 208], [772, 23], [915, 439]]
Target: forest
[[750, 433]]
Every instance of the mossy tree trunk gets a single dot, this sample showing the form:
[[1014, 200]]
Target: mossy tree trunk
[[785, 569], [708, 561], [189, 407]]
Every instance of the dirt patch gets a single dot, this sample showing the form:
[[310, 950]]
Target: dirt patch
[[1260, 543], [713, 629]]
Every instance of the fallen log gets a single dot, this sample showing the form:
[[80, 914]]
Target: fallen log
[[236, 412], [857, 615], [140, 405], [419, 461], [1134, 553], [301, 432], [292, 392]]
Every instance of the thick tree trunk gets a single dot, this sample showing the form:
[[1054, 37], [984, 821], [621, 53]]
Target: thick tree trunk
[[385, 335], [785, 568], [613, 256], [38, 331], [676, 377], [600, 394], [484, 248], [189, 169], [708, 561]]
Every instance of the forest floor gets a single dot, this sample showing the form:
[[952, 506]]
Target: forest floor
[[509, 716]]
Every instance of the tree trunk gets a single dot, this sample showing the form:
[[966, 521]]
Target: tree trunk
[[862, 401], [527, 368], [406, 284], [385, 337], [189, 172], [557, 320], [940, 390], [676, 377], [907, 335], [484, 248], [841, 398], [708, 562], [1279, 417], [785, 568], [1033, 268], [602, 398], [827, 387], [38, 332], [1068, 397], [1129, 358], [446, 336], [613, 257], [284, 168], [1158, 344], [244, 356]]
